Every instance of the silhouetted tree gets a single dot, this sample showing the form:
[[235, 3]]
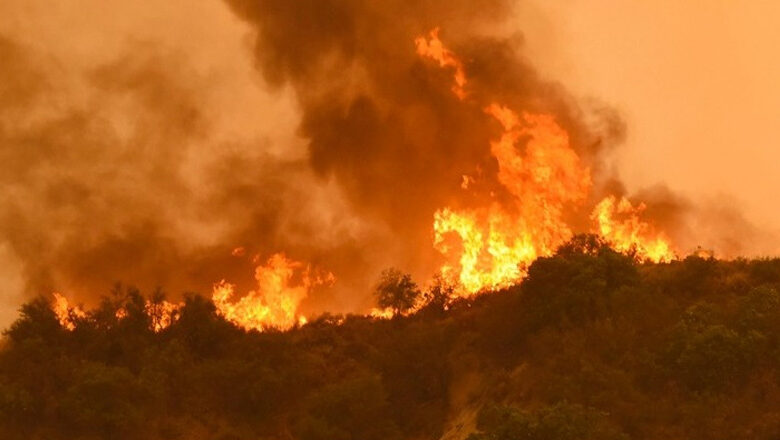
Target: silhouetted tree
[[36, 321], [439, 294], [397, 291]]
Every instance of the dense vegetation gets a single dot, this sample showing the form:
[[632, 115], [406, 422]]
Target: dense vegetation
[[591, 345]]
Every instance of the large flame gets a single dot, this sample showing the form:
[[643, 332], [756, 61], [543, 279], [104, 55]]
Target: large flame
[[486, 247], [543, 176], [499, 241], [281, 286]]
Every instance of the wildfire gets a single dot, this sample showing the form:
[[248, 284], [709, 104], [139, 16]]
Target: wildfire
[[433, 48], [543, 176], [378, 313], [281, 286], [619, 223], [66, 314], [499, 242], [541, 179], [162, 314]]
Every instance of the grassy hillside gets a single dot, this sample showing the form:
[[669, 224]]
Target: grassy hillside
[[590, 346]]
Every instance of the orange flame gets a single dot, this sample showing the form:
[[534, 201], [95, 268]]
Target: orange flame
[[378, 313], [121, 313], [275, 303], [433, 48], [498, 242], [66, 314], [487, 247], [543, 175], [619, 223], [162, 314]]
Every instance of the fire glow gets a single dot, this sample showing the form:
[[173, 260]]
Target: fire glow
[[544, 176], [485, 247], [161, 314]]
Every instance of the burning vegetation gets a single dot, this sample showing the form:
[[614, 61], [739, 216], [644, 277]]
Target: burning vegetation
[[275, 302], [486, 246], [553, 304], [543, 177], [591, 344], [428, 143]]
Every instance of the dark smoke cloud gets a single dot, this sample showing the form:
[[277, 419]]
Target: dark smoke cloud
[[384, 123], [125, 180], [127, 183]]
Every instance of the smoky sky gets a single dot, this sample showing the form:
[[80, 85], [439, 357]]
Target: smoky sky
[[128, 185], [127, 169], [384, 123]]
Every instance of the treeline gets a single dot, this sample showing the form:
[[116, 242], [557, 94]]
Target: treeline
[[592, 345]]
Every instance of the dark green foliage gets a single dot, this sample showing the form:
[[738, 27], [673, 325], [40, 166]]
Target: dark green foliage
[[577, 282], [416, 371], [592, 345], [714, 357], [558, 422], [105, 401], [355, 409], [760, 310]]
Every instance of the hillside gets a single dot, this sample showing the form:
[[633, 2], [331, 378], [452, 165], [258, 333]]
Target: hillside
[[592, 345]]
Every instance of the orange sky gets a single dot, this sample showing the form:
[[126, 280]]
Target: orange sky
[[696, 82]]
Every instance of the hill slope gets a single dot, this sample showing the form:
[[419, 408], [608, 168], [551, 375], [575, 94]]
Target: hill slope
[[590, 345]]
